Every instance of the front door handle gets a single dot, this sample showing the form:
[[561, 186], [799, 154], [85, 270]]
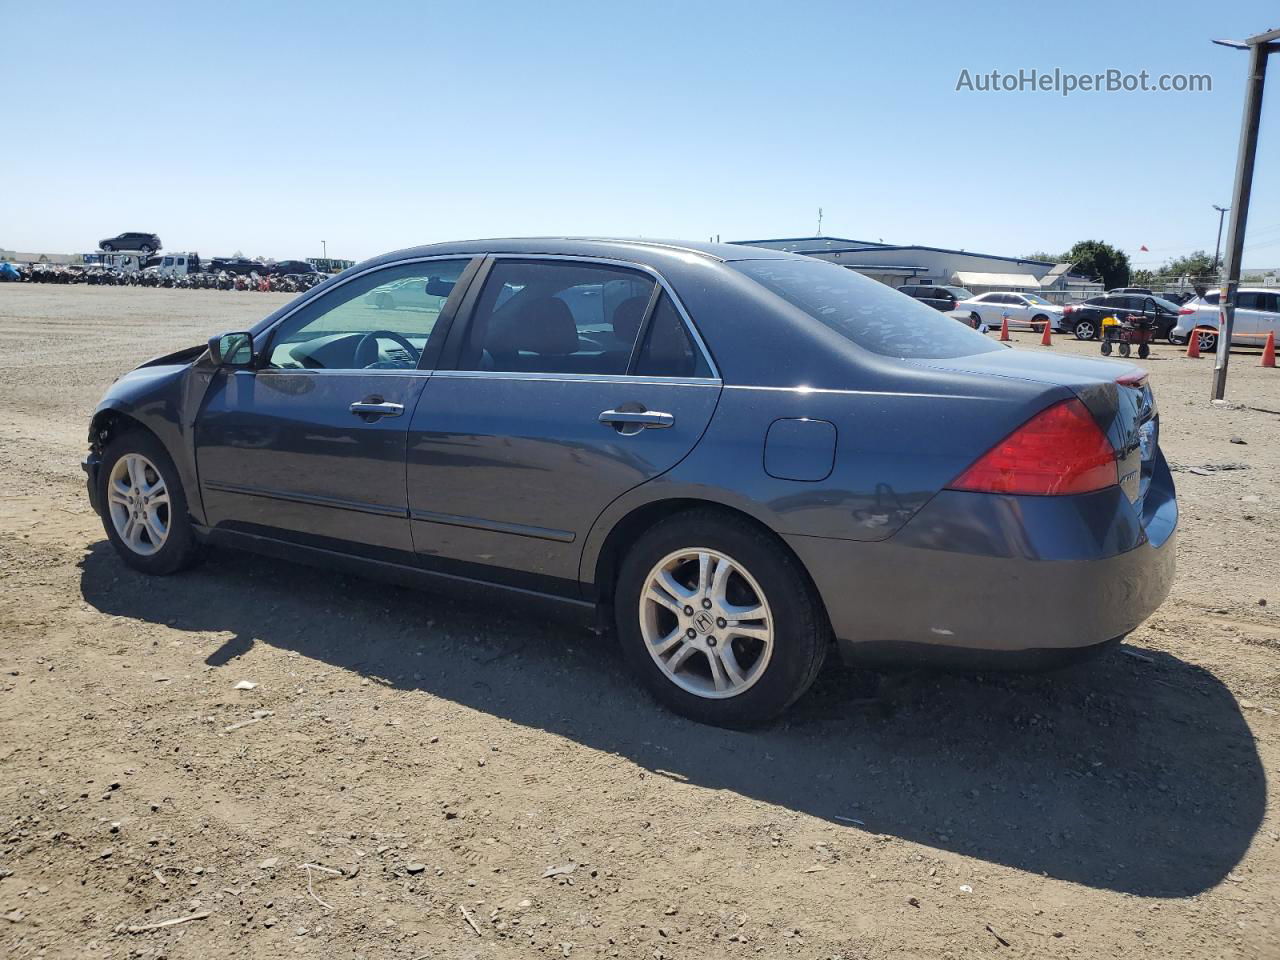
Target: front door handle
[[640, 419], [376, 407]]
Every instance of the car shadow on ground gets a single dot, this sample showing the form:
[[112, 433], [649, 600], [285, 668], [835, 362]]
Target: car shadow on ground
[[1134, 773]]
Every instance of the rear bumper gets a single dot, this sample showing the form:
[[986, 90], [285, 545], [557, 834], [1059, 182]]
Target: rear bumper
[[996, 574]]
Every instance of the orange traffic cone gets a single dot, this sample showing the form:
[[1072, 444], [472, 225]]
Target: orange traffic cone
[[1269, 350], [1193, 345], [1046, 338], [1004, 328]]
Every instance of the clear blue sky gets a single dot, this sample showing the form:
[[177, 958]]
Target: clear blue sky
[[268, 127]]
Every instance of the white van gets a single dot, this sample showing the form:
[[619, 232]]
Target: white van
[[179, 264]]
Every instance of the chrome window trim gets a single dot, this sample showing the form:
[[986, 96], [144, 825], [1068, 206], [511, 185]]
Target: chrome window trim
[[658, 278], [629, 379], [628, 265]]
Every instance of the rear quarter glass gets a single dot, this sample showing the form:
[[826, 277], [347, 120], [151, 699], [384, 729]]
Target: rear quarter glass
[[864, 311]]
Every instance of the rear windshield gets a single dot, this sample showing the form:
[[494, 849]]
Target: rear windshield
[[872, 315]]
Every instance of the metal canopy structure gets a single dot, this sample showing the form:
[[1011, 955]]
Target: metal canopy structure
[[1260, 48]]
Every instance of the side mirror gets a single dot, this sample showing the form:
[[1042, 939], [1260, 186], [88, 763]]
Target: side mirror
[[231, 349]]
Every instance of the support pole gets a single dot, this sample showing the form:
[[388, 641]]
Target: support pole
[[1259, 49]]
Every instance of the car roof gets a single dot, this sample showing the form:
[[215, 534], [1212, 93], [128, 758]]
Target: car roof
[[639, 250]]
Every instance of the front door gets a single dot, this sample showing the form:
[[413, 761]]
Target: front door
[[572, 383], [310, 445]]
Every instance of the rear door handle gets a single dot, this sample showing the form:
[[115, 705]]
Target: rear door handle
[[652, 419], [376, 408]]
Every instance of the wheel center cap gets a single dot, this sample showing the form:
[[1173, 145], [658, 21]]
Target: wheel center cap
[[703, 622]]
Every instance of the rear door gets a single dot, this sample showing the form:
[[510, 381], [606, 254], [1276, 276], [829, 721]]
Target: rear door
[[572, 382], [1249, 316]]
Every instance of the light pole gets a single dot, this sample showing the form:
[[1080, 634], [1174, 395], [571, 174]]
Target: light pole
[[1260, 49], [324, 247], [1222, 211]]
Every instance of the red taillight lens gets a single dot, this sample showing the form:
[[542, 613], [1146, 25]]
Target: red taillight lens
[[1059, 451], [1068, 309], [1184, 311]]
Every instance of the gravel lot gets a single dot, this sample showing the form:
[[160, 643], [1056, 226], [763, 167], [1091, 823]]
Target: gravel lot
[[434, 760]]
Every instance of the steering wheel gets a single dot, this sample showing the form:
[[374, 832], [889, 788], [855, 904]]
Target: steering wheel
[[369, 355]]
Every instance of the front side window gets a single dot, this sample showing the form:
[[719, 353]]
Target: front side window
[[382, 320], [549, 316], [864, 311]]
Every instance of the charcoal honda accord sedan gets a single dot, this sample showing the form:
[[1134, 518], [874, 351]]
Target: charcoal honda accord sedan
[[740, 458]]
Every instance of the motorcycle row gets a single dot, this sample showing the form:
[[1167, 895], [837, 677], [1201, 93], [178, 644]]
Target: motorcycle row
[[106, 277]]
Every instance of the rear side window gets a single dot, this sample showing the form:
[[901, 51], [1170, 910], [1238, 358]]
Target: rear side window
[[864, 311], [669, 350], [556, 317]]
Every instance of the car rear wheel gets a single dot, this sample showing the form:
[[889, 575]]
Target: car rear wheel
[[976, 320], [1207, 342], [1085, 330], [107, 248], [144, 508], [719, 620]]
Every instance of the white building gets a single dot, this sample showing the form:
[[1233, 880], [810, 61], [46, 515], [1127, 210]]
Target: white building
[[896, 264]]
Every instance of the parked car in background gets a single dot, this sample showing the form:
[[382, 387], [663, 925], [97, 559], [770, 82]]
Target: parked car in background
[[741, 458], [939, 297], [944, 299], [1085, 319], [1029, 310], [237, 266], [1145, 291], [1257, 314], [147, 243], [283, 267]]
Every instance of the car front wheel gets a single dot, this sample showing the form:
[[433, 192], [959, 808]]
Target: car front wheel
[[144, 508], [107, 248], [1207, 342], [719, 620], [1085, 330]]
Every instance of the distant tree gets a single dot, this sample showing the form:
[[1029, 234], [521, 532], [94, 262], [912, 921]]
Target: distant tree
[[1097, 259], [1041, 255], [1196, 264], [1142, 278]]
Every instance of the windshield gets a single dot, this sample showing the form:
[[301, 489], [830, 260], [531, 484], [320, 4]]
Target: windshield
[[872, 315], [1040, 301]]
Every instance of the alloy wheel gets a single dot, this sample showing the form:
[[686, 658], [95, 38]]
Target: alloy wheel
[[139, 503], [1085, 330], [706, 623]]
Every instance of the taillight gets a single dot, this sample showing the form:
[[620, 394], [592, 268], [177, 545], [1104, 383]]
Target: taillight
[[1061, 450], [1068, 309]]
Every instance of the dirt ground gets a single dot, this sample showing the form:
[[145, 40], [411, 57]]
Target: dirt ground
[[432, 760]]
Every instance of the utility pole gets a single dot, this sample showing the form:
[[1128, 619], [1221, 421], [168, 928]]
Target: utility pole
[[1260, 47], [1218, 246], [324, 247], [819, 221]]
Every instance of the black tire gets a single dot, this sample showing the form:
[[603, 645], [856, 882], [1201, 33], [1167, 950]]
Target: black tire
[[1124, 349], [107, 248], [1038, 319], [180, 548], [1208, 341], [1106, 348], [1085, 329], [977, 320], [1144, 351], [801, 630]]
